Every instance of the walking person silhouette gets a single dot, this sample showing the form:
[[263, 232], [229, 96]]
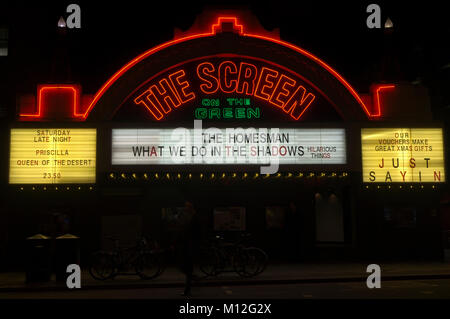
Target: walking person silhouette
[[188, 245]]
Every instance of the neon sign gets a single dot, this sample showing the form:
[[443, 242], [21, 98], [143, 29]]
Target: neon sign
[[228, 23], [264, 83], [278, 88], [50, 91], [211, 111], [274, 85], [268, 83]]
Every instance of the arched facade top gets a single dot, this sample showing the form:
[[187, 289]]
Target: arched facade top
[[226, 36]]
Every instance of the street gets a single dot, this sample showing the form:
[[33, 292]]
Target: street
[[399, 289]]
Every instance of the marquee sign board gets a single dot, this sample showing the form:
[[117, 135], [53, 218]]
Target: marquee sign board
[[52, 156], [413, 155], [232, 146]]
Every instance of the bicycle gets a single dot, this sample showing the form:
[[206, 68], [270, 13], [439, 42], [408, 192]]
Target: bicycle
[[144, 260], [220, 256]]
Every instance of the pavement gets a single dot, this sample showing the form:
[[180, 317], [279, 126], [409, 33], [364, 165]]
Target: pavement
[[276, 274]]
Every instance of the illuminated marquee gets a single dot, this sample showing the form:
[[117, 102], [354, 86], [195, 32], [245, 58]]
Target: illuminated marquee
[[52, 156], [265, 82], [228, 146], [411, 155]]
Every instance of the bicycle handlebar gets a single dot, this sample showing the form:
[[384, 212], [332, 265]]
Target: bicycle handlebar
[[243, 238]]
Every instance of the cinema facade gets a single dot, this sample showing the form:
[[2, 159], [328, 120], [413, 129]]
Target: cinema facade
[[261, 135]]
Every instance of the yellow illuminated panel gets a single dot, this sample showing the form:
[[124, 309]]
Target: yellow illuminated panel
[[409, 155], [52, 156]]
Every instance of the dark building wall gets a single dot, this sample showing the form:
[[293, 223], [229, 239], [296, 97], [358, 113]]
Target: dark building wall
[[399, 224], [29, 212], [379, 225]]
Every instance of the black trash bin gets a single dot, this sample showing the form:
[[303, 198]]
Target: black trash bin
[[38, 258], [67, 252]]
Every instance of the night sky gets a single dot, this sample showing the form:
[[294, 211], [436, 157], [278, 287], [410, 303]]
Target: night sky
[[114, 32]]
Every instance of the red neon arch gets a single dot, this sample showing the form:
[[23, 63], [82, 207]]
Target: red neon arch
[[377, 103], [41, 105], [214, 28]]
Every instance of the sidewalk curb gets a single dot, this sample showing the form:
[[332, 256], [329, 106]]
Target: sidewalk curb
[[245, 282]]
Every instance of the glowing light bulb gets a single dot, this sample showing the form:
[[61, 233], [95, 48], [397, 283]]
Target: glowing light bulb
[[61, 23], [389, 24]]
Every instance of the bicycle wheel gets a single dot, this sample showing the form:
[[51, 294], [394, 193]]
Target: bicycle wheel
[[209, 262], [254, 261], [148, 266], [239, 261], [102, 266]]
